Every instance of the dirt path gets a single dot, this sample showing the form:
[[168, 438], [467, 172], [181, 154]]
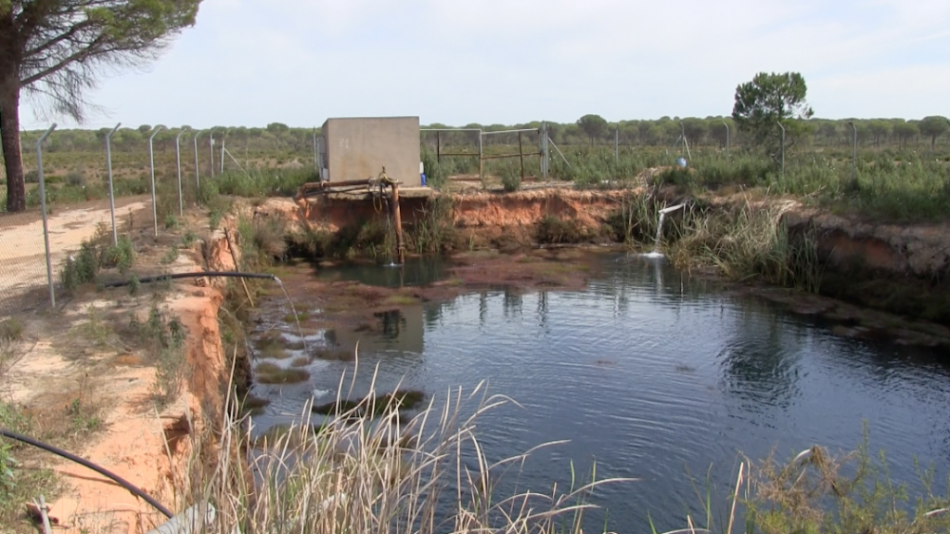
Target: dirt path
[[22, 250], [82, 376]]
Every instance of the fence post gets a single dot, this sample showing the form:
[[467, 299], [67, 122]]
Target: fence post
[[224, 142], [783, 148], [197, 178], [544, 150], [115, 235], [39, 176], [211, 149], [481, 161], [316, 158], [151, 162], [181, 202]]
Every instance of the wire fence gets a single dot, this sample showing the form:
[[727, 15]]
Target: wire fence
[[35, 244]]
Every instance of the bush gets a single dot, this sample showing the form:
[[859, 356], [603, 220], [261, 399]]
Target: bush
[[82, 269], [552, 230], [11, 329], [76, 178], [510, 179], [121, 255]]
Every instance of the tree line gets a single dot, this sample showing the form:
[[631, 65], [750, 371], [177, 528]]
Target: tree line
[[700, 132]]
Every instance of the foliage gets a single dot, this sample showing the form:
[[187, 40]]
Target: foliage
[[82, 269], [510, 179], [594, 126], [818, 493], [434, 230], [436, 173], [554, 231], [397, 473], [262, 240], [11, 329], [121, 255], [163, 341], [56, 49], [770, 99], [933, 127], [19, 484], [748, 242]]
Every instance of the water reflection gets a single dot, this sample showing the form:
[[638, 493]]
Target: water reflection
[[652, 375]]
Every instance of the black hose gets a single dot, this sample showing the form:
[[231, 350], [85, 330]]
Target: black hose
[[82, 461], [199, 274]]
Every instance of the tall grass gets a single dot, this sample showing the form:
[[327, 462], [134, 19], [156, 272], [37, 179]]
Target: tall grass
[[748, 242], [360, 473]]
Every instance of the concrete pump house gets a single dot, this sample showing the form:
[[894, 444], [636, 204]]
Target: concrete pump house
[[359, 148]]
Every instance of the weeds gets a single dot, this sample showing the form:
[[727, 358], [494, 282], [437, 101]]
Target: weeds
[[435, 226], [121, 255], [553, 231], [749, 242], [812, 494], [369, 470], [11, 329], [171, 256], [271, 373], [19, 483], [163, 341]]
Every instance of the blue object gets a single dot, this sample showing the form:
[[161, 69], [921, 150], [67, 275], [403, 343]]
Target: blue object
[[681, 162], [423, 179]]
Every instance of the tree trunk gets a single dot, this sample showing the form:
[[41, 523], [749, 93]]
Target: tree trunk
[[10, 138]]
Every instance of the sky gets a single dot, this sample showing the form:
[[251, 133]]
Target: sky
[[253, 62]]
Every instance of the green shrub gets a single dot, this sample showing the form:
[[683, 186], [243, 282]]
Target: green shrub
[[82, 269], [120, 255], [76, 178], [510, 179], [11, 329]]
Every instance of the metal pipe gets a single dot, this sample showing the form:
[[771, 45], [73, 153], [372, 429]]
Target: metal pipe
[[197, 179], [181, 204], [197, 274], [450, 129], [86, 463], [316, 159], [211, 149], [510, 131], [39, 176], [481, 158], [783, 147], [544, 150], [224, 142], [108, 141], [151, 161]]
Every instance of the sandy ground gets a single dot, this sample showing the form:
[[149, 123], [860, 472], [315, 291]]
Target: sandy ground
[[59, 364], [22, 250]]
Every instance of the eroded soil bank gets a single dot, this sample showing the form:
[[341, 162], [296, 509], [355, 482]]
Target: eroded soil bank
[[901, 269], [84, 377]]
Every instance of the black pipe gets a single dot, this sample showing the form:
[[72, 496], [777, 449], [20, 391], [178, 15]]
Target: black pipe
[[199, 274], [82, 461]]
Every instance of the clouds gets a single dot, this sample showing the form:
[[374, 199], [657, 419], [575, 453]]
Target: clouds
[[300, 61]]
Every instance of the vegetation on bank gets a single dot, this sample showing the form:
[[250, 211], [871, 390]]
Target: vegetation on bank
[[372, 467]]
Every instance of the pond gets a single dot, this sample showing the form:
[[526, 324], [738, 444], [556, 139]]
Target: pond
[[649, 374]]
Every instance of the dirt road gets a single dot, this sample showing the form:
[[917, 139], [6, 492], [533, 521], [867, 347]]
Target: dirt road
[[23, 276]]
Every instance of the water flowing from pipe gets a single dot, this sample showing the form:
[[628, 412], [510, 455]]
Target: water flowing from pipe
[[293, 309]]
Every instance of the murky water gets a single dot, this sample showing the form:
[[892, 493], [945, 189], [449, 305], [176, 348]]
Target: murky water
[[650, 375]]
